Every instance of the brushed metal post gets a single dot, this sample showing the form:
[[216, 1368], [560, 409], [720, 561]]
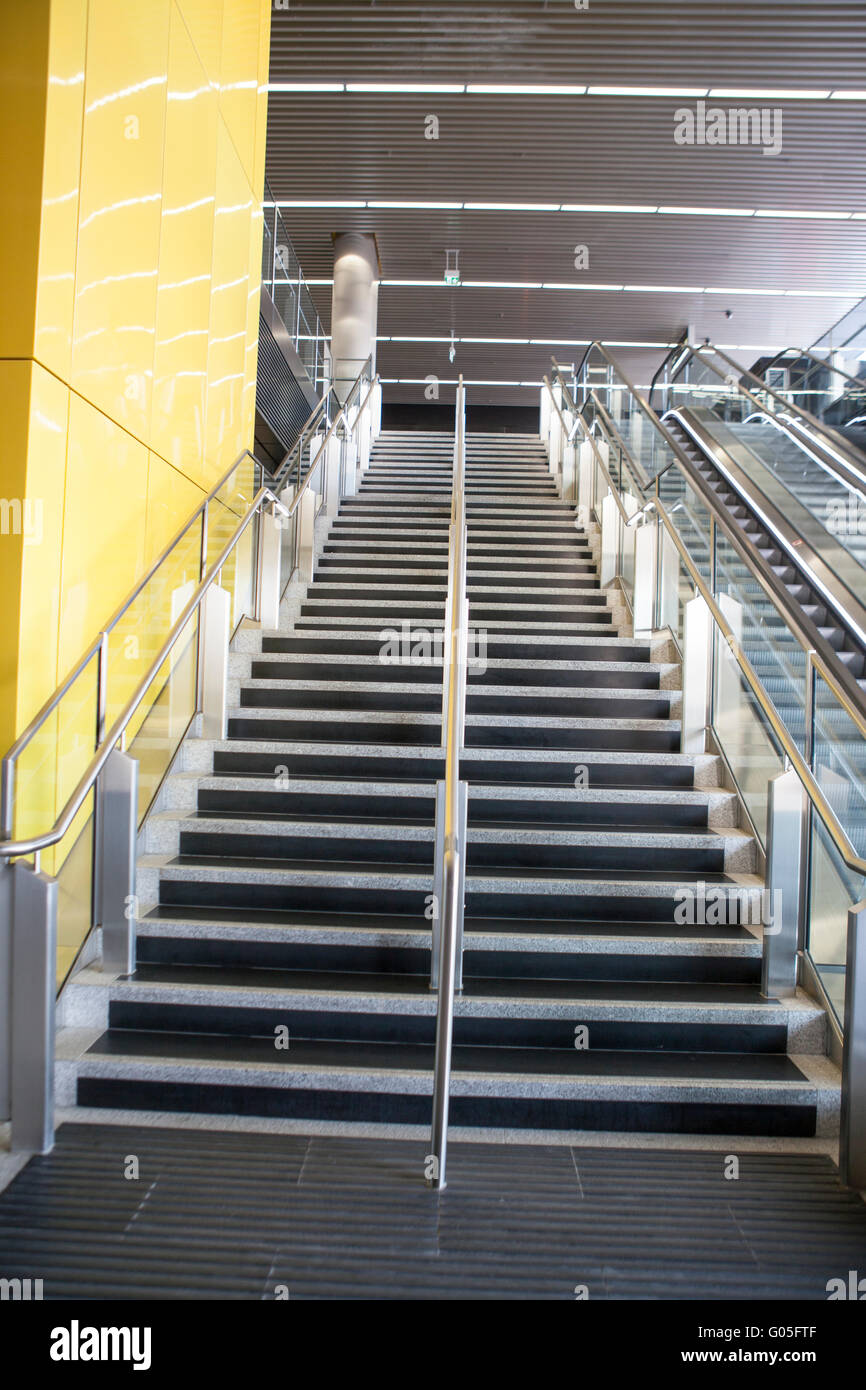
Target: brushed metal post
[[7, 879], [697, 657], [645, 579], [438, 884], [34, 969], [852, 1133], [270, 560], [462, 822], [215, 632], [117, 790], [784, 885]]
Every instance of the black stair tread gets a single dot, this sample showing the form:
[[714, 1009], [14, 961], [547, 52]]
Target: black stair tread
[[188, 823], [546, 926], [355, 1055], [475, 987], [517, 872]]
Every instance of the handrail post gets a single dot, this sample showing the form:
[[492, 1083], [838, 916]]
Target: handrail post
[[32, 1006], [852, 1135], [784, 879], [7, 798]]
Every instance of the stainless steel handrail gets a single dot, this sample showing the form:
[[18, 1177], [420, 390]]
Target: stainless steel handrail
[[313, 421], [451, 908], [52, 702], [14, 848], [340, 417], [789, 749], [599, 457], [106, 742], [858, 381], [847, 464]]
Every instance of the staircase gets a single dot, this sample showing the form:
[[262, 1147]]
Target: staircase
[[285, 881]]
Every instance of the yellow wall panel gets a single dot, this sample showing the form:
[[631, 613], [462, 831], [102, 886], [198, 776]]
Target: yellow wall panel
[[239, 78], [251, 349], [130, 227], [121, 195], [104, 528], [39, 611], [23, 80], [60, 191], [204, 20], [228, 316], [262, 97], [186, 249], [15, 380], [171, 500]]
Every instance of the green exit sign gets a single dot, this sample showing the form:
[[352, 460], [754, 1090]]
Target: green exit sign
[[452, 277]]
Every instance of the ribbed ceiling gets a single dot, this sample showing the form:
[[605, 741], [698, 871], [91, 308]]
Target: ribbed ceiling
[[586, 149]]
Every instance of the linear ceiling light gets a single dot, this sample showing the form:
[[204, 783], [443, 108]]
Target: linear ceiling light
[[512, 207], [787, 212], [529, 89], [609, 207], [413, 206], [333, 203], [769, 93], [757, 292], [543, 89], [615, 208], [401, 87], [306, 87], [503, 284], [705, 212], [646, 91]]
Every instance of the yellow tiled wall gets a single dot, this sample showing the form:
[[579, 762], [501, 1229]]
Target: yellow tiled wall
[[133, 139], [130, 248]]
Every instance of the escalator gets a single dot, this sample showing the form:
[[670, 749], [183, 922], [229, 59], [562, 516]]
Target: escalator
[[772, 508]]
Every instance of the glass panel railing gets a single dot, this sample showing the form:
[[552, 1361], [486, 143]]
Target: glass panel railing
[[822, 501], [743, 735], [283, 280], [839, 763], [634, 425], [824, 386], [833, 889], [775, 653]]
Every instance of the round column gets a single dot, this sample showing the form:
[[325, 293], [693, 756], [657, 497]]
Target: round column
[[353, 307]]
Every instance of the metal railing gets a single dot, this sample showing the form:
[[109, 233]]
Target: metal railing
[[283, 280], [451, 803], [28, 897], [328, 415], [795, 797], [837, 455]]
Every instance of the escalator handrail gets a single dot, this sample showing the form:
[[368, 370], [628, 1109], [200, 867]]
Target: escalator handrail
[[858, 381], [846, 464]]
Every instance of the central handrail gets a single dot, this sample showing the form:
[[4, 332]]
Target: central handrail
[[451, 835]]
